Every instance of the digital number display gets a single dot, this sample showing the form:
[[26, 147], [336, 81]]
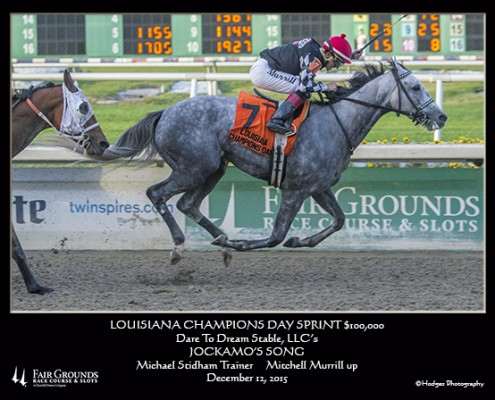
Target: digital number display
[[378, 23], [148, 34], [60, 34], [428, 32], [230, 35], [227, 33], [475, 32], [299, 26]]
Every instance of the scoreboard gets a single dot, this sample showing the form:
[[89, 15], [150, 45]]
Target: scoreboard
[[241, 34], [227, 33]]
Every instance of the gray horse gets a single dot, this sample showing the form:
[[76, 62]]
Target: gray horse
[[193, 138]]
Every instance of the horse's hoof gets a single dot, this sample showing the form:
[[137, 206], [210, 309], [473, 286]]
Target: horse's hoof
[[219, 241], [227, 257], [293, 242], [40, 290], [176, 254], [175, 258]]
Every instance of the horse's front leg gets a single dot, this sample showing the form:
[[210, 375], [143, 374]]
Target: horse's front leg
[[329, 203], [190, 202], [20, 258], [291, 203]]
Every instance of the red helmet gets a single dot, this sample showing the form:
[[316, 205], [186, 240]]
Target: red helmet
[[340, 46]]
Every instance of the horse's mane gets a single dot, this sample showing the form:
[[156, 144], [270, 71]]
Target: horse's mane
[[358, 79], [20, 95]]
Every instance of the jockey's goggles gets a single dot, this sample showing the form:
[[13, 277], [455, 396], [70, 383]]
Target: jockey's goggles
[[338, 61], [331, 55]]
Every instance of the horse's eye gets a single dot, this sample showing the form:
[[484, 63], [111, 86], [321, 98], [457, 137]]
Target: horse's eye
[[83, 108], [416, 87]]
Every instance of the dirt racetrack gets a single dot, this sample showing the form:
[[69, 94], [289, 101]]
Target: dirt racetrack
[[260, 280]]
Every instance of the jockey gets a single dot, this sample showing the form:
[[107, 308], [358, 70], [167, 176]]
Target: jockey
[[291, 68]]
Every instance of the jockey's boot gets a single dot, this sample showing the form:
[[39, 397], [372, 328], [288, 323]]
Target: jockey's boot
[[281, 120]]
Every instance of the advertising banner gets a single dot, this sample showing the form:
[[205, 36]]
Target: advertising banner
[[89, 208], [385, 208]]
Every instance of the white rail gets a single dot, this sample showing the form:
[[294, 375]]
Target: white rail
[[213, 77], [365, 152], [223, 76], [202, 64]]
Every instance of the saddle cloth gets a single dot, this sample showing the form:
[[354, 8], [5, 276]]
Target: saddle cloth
[[251, 116]]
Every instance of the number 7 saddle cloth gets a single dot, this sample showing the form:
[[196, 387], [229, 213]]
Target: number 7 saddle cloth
[[251, 116]]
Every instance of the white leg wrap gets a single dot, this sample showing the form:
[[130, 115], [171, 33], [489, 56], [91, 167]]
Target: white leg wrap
[[179, 249], [278, 163], [176, 254]]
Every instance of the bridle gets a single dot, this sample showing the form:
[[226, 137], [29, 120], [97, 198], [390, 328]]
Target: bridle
[[80, 138], [418, 116]]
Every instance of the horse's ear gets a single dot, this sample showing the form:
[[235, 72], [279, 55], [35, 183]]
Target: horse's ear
[[69, 82], [395, 61], [392, 62]]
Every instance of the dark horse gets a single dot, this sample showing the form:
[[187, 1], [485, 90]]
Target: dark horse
[[193, 138], [66, 109]]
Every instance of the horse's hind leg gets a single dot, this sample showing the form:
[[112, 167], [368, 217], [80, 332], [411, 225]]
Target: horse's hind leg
[[291, 203], [159, 194], [329, 203], [190, 202], [20, 258]]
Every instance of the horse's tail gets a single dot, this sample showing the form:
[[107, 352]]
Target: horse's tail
[[137, 141]]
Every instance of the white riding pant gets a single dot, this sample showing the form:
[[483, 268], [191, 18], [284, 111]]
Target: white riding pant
[[265, 77]]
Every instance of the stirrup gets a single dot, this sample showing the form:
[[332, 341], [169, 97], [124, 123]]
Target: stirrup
[[280, 129]]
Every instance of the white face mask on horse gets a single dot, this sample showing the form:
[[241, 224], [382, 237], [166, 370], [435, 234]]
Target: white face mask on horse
[[77, 112]]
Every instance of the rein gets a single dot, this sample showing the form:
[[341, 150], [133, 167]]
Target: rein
[[418, 116], [37, 111], [347, 138]]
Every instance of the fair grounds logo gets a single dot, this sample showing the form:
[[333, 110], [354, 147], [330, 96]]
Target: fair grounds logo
[[21, 381], [54, 377]]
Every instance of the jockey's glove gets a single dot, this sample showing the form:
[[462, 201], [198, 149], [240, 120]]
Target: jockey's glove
[[330, 95], [320, 87]]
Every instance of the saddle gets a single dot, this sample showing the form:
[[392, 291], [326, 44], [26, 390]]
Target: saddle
[[19, 95], [252, 114], [249, 129]]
